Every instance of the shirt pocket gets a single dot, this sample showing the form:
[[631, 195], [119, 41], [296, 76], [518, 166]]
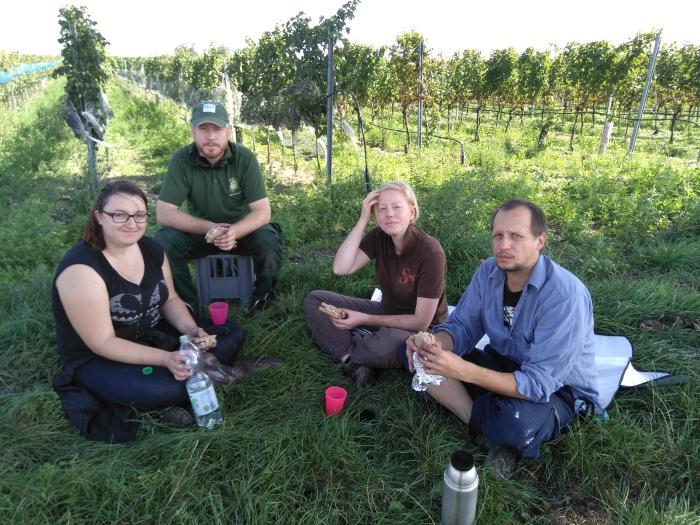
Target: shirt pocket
[[522, 336]]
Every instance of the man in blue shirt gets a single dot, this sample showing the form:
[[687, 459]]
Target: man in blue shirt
[[521, 390]]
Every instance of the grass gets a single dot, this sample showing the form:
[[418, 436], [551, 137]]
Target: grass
[[628, 226]]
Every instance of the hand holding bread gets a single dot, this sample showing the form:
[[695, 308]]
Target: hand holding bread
[[332, 311], [212, 234], [425, 338], [205, 343]]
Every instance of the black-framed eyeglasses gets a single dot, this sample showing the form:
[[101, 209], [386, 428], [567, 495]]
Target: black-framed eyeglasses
[[121, 217]]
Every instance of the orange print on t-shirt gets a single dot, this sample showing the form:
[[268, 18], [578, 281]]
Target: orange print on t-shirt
[[407, 276]]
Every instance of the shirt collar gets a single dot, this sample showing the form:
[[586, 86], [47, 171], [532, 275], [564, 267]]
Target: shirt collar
[[539, 273], [411, 239]]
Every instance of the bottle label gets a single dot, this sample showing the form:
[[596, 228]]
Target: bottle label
[[204, 402]]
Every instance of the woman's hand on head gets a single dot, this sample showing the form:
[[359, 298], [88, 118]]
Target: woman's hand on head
[[368, 203]]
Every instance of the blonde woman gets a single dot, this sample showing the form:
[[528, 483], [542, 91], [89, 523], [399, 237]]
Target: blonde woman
[[410, 270]]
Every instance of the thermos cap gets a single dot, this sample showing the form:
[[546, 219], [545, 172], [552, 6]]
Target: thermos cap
[[462, 460]]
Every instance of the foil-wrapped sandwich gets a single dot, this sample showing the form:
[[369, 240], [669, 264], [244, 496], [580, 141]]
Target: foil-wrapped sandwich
[[421, 379]]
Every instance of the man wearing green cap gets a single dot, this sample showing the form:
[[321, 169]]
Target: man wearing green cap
[[225, 194]]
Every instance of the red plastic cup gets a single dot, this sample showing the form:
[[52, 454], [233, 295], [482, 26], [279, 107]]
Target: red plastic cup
[[218, 312], [335, 399]]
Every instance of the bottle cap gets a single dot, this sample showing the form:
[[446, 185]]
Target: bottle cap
[[462, 460], [147, 370]]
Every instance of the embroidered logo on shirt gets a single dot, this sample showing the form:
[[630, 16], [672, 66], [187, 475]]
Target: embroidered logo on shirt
[[233, 188], [407, 276]]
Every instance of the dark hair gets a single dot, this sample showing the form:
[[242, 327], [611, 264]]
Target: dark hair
[[538, 222], [92, 234]]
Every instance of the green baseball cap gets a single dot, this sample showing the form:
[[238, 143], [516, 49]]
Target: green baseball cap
[[209, 111]]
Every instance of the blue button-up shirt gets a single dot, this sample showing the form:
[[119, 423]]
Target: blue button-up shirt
[[551, 335]]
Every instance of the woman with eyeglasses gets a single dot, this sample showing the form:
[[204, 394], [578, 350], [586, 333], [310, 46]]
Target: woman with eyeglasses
[[118, 318]]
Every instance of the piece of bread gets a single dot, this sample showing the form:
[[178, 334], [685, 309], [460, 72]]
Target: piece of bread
[[424, 338], [205, 343], [335, 313], [213, 234]]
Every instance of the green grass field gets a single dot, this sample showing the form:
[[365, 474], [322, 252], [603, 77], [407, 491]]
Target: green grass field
[[629, 227]]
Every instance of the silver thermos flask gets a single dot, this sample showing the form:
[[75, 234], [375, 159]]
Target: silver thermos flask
[[459, 489]]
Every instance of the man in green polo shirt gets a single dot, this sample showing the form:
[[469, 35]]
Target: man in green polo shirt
[[224, 189]]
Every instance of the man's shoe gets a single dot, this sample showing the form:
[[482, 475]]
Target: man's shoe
[[502, 460], [218, 373], [241, 368], [361, 375], [348, 367], [225, 375], [479, 440], [177, 416], [256, 305], [260, 363]]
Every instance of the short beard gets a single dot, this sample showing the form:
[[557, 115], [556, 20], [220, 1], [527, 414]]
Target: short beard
[[513, 269], [219, 155], [221, 149]]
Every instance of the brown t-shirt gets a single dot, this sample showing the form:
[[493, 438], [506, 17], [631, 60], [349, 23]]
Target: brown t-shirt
[[418, 272]]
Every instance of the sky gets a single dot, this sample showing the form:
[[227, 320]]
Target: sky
[[153, 27]]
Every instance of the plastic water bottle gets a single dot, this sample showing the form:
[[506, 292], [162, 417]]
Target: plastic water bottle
[[459, 490], [205, 405]]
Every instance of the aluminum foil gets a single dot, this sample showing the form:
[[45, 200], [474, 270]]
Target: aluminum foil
[[421, 379]]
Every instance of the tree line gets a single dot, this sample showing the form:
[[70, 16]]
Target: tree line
[[282, 77]]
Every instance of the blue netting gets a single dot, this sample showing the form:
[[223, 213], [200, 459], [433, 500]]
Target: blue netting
[[23, 69]]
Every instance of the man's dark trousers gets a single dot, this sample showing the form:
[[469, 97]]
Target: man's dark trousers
[[264, 245], [504, 421]]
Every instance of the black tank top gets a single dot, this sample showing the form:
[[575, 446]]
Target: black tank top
[[134, 308]]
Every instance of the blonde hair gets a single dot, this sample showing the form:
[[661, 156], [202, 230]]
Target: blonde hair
[[407, 191]]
